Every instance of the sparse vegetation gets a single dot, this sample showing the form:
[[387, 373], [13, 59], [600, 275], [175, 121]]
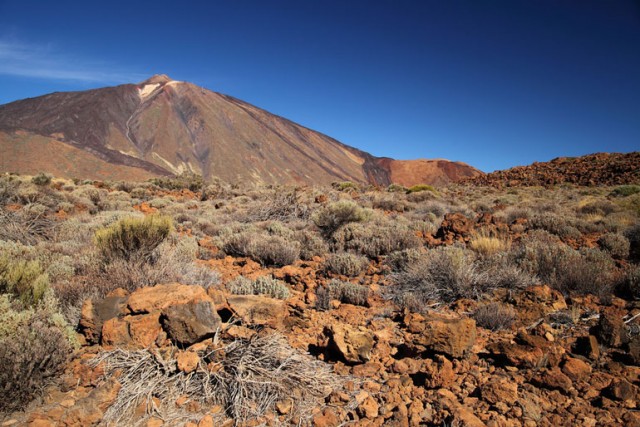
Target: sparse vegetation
[[494, 316], [133, 238]]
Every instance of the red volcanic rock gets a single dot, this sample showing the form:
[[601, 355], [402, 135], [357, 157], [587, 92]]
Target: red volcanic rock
[[590, 170]]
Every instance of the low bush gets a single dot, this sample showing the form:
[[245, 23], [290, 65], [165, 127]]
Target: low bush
[[625, 190], [263, 285], [377, 239], [494, 316], [566, 269], [615, 244], [331, 217], [346, 264], [348, 293], [132, 237], [42, 179], [34, 346], [267, 250], [311, 244], [449, 273], [633, 235], [421, 187], [186, 180], [25, 279]]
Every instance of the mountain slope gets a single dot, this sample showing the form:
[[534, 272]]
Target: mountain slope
[[164, 127]]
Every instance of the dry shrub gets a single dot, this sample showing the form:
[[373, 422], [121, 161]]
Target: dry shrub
[[263, 285], [633, 235], [376, 239], [586, 271], [400, 260], [248, 378], [346, 264], [615, 244], [33, 350], [451, 272], [349, 293], [133, 238], [331, 217], [555, 224], [267, 250], [494, 316], [27, 226], [284, 205], [311, 244]]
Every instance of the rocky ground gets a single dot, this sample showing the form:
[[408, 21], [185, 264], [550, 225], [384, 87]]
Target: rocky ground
[[200, 355]]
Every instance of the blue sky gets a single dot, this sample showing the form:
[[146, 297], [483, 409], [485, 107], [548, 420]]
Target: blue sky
[[491, 83]]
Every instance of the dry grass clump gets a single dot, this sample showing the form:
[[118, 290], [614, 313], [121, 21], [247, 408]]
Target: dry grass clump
[[494, 316], [34, 347], [132, 238], [246, 377], [263, 285], [186, 180], [346, 264], [485, 242]]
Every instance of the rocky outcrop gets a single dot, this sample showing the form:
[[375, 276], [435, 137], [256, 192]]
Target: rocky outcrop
[[590, 170]]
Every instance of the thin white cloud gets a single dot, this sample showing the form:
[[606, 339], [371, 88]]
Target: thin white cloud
[[45, 62]]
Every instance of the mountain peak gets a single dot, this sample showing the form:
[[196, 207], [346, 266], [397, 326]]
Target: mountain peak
[[157, 79]]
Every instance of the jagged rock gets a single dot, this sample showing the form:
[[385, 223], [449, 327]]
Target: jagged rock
[[187, 361], [576, 369], [258, 310], [553, 379], [354, 345], [186, 324], [454, 227], [611, 329], [500, 390], [536, 302], [621, 389], [450, 336], [438, 373], [95, 313], [159, 297], [588, 346]]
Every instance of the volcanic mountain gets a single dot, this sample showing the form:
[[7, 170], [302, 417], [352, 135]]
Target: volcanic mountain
[[164, 127]]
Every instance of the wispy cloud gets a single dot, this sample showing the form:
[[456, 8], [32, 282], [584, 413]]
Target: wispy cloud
[[47, 62]]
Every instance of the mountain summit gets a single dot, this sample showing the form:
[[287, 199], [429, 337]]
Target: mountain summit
[[163, 126]]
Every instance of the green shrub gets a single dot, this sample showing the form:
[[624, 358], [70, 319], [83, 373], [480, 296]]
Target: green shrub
[[331, 217], [24, 279], [345, 185], [311, 244], [132, 237], [396, 188], [625, 190], [42, 179], [34, 345], [348, 293], [615, 244], [421, 187], [346, 264], [186, 180], [263, 285]]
